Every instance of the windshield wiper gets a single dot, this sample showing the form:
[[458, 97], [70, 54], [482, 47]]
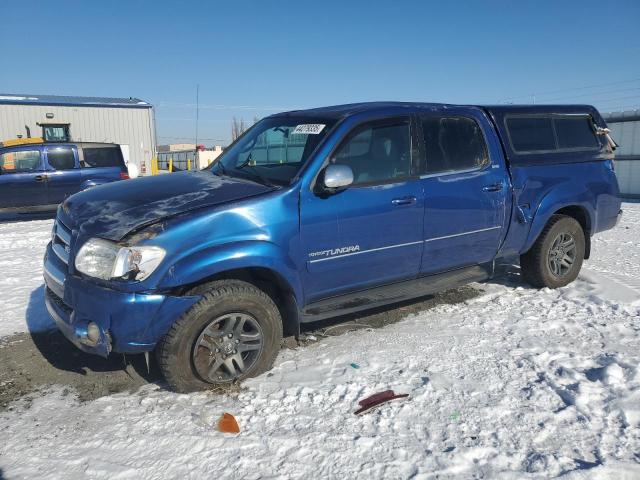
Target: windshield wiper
[[264, 180], [245, 163]]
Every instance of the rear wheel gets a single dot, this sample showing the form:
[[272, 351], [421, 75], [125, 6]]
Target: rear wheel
[[234, 332], [556, 257]]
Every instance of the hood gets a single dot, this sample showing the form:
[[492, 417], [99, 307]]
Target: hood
[[112, 211]]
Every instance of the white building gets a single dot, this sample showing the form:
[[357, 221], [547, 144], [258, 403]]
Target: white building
[[129, 122], [184, 154], [625, 130]]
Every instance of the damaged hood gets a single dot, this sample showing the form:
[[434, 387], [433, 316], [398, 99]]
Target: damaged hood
[[112, 211]]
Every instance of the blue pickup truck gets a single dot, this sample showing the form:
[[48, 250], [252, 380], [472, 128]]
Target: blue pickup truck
[[37, 176], [319, 213]]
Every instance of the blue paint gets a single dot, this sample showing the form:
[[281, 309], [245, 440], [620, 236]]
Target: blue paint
[[44, 186], [135, 321], [210, 223]]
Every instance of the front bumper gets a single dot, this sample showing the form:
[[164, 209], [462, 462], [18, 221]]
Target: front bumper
[[128, 322]]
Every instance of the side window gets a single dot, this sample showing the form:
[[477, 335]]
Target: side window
[[102, 157], [377, 153], [536, 134], [55, 132], [530, 134], [20, 161], [61, 158], [575, 132], [452, 144], [357, 146]]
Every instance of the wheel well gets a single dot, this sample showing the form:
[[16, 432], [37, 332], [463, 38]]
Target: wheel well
[[273, 285], [582, 217]]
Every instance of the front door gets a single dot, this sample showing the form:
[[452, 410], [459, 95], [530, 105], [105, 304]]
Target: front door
[[371, 232], [64, 176], [22, 178], [466, 187]]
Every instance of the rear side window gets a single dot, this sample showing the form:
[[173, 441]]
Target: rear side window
[[555, 133], [20, 161], [61, 158], [531, 134], [452, 144], [575, 132], [102, 157]]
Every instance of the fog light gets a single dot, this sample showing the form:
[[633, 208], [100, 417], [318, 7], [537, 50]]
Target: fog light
[[93, 332]]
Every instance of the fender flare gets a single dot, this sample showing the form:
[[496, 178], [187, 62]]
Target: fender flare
[[552, 202], [215, 260]]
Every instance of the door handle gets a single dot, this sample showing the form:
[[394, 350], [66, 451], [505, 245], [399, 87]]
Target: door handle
[[496, 187], [40, 178], [404, 201]]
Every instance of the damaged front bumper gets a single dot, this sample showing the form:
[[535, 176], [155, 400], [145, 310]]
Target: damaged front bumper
[[100, 320]]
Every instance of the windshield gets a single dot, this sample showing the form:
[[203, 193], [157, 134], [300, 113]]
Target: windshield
[[274, 150]]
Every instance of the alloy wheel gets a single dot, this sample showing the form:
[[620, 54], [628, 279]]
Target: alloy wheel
[[562, 254], [228, 347]]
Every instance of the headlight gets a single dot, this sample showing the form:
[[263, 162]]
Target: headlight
[[106, 260], [97, 257], [139, 260]]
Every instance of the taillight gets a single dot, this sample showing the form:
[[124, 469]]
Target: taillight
[[124, 176]]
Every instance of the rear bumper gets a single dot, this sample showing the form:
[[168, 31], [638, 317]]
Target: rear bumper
[[127, 322]]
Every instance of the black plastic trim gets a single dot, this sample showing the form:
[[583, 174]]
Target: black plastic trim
[[394, 293]]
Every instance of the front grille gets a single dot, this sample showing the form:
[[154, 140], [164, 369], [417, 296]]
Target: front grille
[[61, 243], [59, 302]]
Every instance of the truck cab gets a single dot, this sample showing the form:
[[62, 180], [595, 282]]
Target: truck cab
[[320, 213]]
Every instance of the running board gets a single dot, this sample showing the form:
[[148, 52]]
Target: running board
[[393, 293]]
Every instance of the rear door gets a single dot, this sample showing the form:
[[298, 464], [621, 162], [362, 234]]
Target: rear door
[[63, 172], [371, 233], [465, 181], [22, 178], [101, 164]]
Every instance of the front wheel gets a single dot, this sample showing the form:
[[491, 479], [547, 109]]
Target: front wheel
[[234, 332], [556, 257]]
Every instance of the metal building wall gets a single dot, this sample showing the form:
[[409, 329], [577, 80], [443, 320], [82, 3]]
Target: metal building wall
[[130, 126], [625, 130]]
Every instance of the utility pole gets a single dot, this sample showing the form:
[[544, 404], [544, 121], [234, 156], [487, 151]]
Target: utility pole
[[197, 109], [197, 118]]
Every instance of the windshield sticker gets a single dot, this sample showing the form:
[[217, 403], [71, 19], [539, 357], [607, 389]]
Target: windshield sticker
[[309, 129]]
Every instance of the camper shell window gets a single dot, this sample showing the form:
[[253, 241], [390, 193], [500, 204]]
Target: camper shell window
[[551, 133]]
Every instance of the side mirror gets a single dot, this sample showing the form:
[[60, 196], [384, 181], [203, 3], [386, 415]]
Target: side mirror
[[337, 176]]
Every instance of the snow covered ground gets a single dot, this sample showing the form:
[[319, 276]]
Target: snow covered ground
[[22, 245], [515, 383]]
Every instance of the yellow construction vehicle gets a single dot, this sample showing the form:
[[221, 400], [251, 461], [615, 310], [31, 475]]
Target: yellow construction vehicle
[[21, 141]]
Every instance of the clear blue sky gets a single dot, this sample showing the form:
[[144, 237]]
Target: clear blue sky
[[254, 58]]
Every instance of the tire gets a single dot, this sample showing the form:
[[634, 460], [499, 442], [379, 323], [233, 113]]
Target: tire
[[235, 326], [537, 265]]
